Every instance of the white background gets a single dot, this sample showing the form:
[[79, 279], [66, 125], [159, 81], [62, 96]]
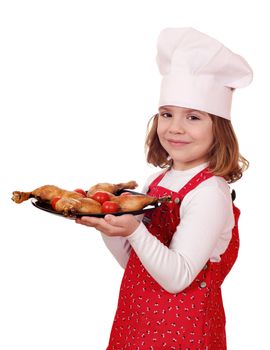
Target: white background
[[78, 84]]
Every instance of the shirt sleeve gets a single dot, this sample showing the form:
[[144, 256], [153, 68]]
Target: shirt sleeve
[[205, 217], [119, 247]]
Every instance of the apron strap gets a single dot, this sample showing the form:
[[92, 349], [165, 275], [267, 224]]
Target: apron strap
[[157, 180], [194, 182]]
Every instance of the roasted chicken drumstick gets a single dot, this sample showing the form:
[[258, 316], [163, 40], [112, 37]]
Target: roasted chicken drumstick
[[70, 206], [45, 193], [112, 188], [137, 201]]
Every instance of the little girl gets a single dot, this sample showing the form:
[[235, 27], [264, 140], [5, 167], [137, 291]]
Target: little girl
[[177, 256]]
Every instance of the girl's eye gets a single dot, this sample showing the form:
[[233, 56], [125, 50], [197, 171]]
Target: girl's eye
[[165, 115], [193, 117]]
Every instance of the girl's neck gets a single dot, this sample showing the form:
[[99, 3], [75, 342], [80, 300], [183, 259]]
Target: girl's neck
[[195, 168]]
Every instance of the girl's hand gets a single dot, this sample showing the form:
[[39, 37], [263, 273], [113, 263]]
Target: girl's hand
[[111, 225]]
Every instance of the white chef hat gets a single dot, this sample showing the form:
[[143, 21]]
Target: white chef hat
[[198, 71]]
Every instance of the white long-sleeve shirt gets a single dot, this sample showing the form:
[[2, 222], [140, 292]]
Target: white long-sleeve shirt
[[204, 232]]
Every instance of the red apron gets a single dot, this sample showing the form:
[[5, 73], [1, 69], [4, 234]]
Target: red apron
[[147, 316]]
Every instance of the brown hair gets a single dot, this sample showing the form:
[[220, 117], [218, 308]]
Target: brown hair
[[223, 157]]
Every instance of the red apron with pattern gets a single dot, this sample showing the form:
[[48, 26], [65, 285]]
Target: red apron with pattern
[[147, 316]]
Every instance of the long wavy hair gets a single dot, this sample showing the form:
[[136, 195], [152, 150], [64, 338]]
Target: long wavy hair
[[223, 157]]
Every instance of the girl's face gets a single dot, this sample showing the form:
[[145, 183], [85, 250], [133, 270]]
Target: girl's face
[[186, 135]]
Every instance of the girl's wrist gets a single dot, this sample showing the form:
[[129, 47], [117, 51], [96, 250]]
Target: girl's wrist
[[136, 233]]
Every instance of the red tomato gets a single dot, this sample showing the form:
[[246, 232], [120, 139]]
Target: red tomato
[[110, 207], [101, 196], [54, 201], [79, 190]]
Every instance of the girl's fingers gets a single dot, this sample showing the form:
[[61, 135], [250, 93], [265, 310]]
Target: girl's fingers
[[99, 224], [90, 221], [111, 225], [119, 221]]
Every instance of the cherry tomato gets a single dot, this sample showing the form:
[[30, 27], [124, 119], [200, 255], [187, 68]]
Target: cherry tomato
[[54, 201], [110, 207], [101, 196], [79, 190]]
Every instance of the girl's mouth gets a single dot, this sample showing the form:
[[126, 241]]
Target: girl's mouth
[[177, 142]]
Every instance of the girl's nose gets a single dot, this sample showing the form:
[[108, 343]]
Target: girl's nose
[[176, 126]]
